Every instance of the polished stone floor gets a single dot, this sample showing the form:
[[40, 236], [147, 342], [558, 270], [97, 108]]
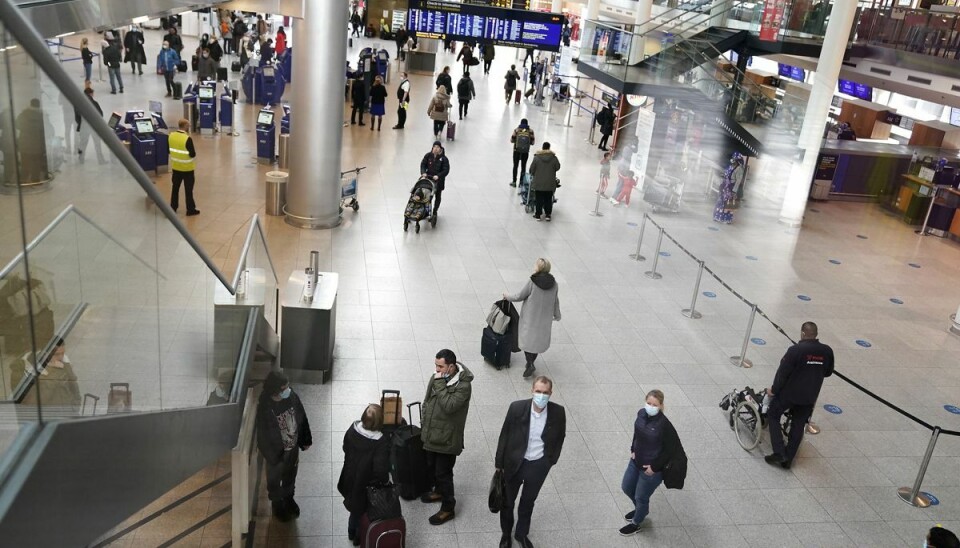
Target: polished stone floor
[[403, 296]]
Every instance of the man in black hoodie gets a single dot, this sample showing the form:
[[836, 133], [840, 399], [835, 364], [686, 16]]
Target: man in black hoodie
[[111, 56], [435, 167], [282, 432], [83, 131]]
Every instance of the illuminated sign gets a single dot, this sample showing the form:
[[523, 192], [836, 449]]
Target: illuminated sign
[[486, 24]]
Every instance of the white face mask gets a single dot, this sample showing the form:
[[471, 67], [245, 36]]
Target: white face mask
[[286, 393], [652, 410]]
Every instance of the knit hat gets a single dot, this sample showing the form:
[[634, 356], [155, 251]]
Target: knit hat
[[438, 144]]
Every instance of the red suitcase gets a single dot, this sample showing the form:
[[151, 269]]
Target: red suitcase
[[386, 533], [516, 97]]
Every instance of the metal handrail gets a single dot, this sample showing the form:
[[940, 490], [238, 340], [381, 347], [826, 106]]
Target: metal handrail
[[242, 262], [17, 26]]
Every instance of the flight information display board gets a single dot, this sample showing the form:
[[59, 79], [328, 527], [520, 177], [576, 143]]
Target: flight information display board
[[486, 24], [514, 4]]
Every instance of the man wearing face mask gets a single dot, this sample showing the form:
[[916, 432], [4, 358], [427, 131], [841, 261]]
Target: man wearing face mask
[[444, 419], [282, 432], [530, 443]]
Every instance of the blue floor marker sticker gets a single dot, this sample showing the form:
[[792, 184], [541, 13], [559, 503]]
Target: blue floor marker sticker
[[952, 409], [752, 258], [713, 229], [896, 301], [914, 265], [710, 294], [830, 408], [834, 261], [758, 341], [804, 297], [632, 224], [664, 253], [861, 236], [863, 343], [934, 501]]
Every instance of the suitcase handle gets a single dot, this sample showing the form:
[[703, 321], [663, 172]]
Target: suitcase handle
[[385, 392], [419, 411], [124, 385]]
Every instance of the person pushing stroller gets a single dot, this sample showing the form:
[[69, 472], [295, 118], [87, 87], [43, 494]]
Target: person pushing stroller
[[435, 166]]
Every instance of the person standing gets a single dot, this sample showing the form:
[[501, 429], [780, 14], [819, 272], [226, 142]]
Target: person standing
[[266, 52], [282, 432], [487, 54], [655, 444], [226, 32], [86, 56], [403, 98], [541, 307], [378, 101], [359, 95], [400, 37], [261, 30], [444, 79], [355, 22], [531, 439], [84, 132], [543, 175], [522, 139], [796, 388], [510, 85], [133, 49], [167, 61], [445, 407], [239, 30], [437, 111], [183, 162], [366, 461], [435, 166], [281, 44], [465, 92], [111, 56], [605, 119], [206, 67], [172, 38], [627, 183]]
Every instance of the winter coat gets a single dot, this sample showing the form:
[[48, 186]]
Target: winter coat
[[436, 165], [281, 45], [439, 98], [216, 52], [541, 307], [488, 52], [511, 78], [445, 407], [168, 60], [133, 44], [378, 94], [605, 119], [176, 43], [206, 68], [443, 79], [269, 438], [543, 170], [471, 91], [466, 53], [366, 461], [358, 94], [111, 55]]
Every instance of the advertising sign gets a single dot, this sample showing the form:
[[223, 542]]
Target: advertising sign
[[485, 24], [772, 20]]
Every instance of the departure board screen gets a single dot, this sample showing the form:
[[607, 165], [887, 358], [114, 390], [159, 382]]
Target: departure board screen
[[514, 4], [486, 24]]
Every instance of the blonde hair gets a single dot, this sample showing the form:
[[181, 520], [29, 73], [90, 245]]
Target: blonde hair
[[84, 42], [658, 395], [542, 266], [378, 79]]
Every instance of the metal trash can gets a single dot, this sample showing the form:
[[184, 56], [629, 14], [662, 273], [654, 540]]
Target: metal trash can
[[276, 192], [821, 190], [284, 151]]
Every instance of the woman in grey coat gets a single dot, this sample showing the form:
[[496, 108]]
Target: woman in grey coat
[[541, 307]]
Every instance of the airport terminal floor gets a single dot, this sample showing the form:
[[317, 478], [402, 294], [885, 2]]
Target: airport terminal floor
[[403, 296]]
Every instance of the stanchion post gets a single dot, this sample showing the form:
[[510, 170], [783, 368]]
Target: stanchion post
[[912, 495], [596, 211], [637, 256], [926, 220], [741, 360], [566, 122], [692, 311], [653, 274]]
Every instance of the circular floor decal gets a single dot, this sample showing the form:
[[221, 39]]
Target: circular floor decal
[[709, 294], [914, 265], [713, 229], [834, 261], [934, 501], [758, 341], [804, 298], [752, 258], [896, 301], [861, 236], [863, 343], [632, 224], [664, 253], [835, 409], [952, 409]]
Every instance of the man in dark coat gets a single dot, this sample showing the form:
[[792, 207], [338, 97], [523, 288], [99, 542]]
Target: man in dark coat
[[366, 461], [172, 38], [282, 432], [530, 443], [133, 49], [543, 174], [112, 58], [435, 166]]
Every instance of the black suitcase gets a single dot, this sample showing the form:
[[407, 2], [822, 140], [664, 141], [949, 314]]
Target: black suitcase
[[408, 460], [222, 74], [195, 63], [235, 66], [182, 66], [177, 90], [495, 348]]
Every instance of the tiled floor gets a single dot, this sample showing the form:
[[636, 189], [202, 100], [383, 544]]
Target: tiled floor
[[404, 296]]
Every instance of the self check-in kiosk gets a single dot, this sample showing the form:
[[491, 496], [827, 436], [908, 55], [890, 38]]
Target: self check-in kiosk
[[143, 143], [226, 110], [266, 137], [207, 104], [117, 127], [268, 77], [162, 136]]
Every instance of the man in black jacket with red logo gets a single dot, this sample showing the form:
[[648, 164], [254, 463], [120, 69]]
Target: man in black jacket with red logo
[[795, 389], [530, 443]]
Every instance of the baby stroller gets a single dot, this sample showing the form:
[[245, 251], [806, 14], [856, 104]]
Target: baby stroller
[[420, 205]]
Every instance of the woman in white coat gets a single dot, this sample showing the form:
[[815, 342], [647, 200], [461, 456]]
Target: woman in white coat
[[540, 308]]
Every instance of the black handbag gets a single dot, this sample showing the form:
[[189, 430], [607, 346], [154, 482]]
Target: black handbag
[[383, 502], [497, 492]]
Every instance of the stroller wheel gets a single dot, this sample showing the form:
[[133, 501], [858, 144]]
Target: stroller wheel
[[356, 206], [406, 224], [417, 228]]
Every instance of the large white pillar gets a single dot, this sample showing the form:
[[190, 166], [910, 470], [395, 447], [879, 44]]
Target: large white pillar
[[818, 109], [557, 6], [593, 10], [644, 11], [643, 14], [316, 132]]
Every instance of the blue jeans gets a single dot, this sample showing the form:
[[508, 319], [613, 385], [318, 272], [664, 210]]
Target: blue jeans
[[639, 487], [115, 78], [87, 71]]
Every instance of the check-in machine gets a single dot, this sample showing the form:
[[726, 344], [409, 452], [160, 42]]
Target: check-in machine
[[117, 127], [266, 137], [143, 143], [207, 105], [162, 136], [226, 110]]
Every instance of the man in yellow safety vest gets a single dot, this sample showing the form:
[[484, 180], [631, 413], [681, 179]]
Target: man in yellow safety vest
[[183, 161]]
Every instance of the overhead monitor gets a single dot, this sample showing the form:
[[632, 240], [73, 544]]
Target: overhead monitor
[[955, 116], [206, 92], [792, 72], [486, 24], [144, 126], [265, 118], [855, 89]]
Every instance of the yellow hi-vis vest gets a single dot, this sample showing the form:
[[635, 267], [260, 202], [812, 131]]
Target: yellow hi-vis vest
[[180, 159]]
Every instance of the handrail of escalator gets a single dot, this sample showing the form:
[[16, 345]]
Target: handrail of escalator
[[255, 226], [708, 15], [21, 30]]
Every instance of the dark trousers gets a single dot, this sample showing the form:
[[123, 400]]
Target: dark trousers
[[168, 79], [187, 179], [530, 476], [401, 116], [282, 477], [486, 65], [603, 140], [530, 356], [440, 476], [519, 160], [353, 114], [353, 523], [438, 126], [464, 105], [436, 201], [801, 414], [544, 203]]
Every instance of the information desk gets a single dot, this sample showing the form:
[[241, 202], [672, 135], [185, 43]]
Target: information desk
[[308, 328], [865, 171], [944, 218]]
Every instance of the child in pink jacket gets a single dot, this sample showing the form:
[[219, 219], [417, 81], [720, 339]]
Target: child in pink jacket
[[604, 174], [628, 182]]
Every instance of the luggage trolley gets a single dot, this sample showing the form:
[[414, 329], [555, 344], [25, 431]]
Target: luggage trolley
[[348, 189]]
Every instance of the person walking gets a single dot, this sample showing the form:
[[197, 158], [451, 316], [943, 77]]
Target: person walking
[[604, 175], [605, 119], [510, 86], [172, 38], [239, 30], [541, 307], [437, 110], [435, 166], [465, 92], [86, 57], [403, 99], [445, 407], [226, 33], [522, 139], [543, 175], [400, 38], [466, 55], [627, 183], [282, 432], [378, 100], [133, 50], [167, 62], [111, 57], [359, 95], [444, 79], [795, 389], [355, 22], [655, 444], [366, 461], [531, 440], [487, 54], [206, 67], [261, 30], [84, 132], [183, 157]]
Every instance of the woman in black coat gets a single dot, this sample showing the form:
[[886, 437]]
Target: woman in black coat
[[606, 119], [133, 48], [366, 461]]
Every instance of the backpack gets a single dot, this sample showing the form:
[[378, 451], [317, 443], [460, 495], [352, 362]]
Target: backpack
[[523, 141], [463, 88], [438, 106]]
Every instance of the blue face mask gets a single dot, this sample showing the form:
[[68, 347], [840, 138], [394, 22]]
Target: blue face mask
[[540, 400], [652, 410], [286, 393]]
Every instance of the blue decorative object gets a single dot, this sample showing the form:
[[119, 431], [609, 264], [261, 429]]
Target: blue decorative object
[[710, 294], [664, 253], [752, 258], [804, 298], [834, 261], [896, 301], [934, 501], [914, 265], [952, 409], [758, 341], [830, 408], [863, 343]]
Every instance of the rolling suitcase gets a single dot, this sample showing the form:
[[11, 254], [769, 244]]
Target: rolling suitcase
[[516, 97], [222, 74], [177, 90], [495, 348], [119, 399], [385, 533], [182, 66], [195, 63], [392, 405], [451, 131], [408, 460], [235, 66]]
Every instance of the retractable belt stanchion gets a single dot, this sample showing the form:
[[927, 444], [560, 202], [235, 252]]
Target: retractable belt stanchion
[[596, 212], [926, 219], [653, 274], [692, 311], [912, 495], [637, 256], [741, 360]]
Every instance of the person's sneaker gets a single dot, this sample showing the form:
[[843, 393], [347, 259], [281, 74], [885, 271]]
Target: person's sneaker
[[775, 459], [548, 218], [441, 517], [629, 515], [113, 93], [629, 529], [432, 496], [192, 213]]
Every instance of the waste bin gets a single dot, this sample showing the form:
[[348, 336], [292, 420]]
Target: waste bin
[[276, 192], [821, 189], [284, 153]]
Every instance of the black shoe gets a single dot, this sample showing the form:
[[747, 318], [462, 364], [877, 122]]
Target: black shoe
[[192, 213], [441, 517], [776, 459], [397, 127], [629, 515], [113, 93], [432, 496], [513, 183], [361, 124], [528, 371], [293, 507], [121, 90], [506, 541], [524, 542], [281, 512], [629, 529]]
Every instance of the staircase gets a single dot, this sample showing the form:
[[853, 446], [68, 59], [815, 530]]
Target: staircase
[[683, 56]]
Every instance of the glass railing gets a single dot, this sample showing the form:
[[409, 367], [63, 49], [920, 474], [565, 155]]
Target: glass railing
[[918, 31]]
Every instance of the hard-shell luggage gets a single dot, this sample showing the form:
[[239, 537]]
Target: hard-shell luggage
[[408, 460], [451, 131], [387, 533], [235, 66], [177, 90], [495, 348], [516, 97], [182, 66], [195, 63], [119, 399], [222, 74]]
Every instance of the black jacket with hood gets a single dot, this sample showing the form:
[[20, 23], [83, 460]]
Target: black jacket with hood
[[436, 165], [366, 461], [269, 440]]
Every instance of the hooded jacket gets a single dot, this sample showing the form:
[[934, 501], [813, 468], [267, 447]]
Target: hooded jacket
[[269, 438], [541, 307], [366, 461], [440, 98], [445, 407], [444, 79], [543, 169], [436, 165]]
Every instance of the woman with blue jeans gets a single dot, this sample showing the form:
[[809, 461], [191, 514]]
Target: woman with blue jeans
[[655, 442], [86, 57]]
